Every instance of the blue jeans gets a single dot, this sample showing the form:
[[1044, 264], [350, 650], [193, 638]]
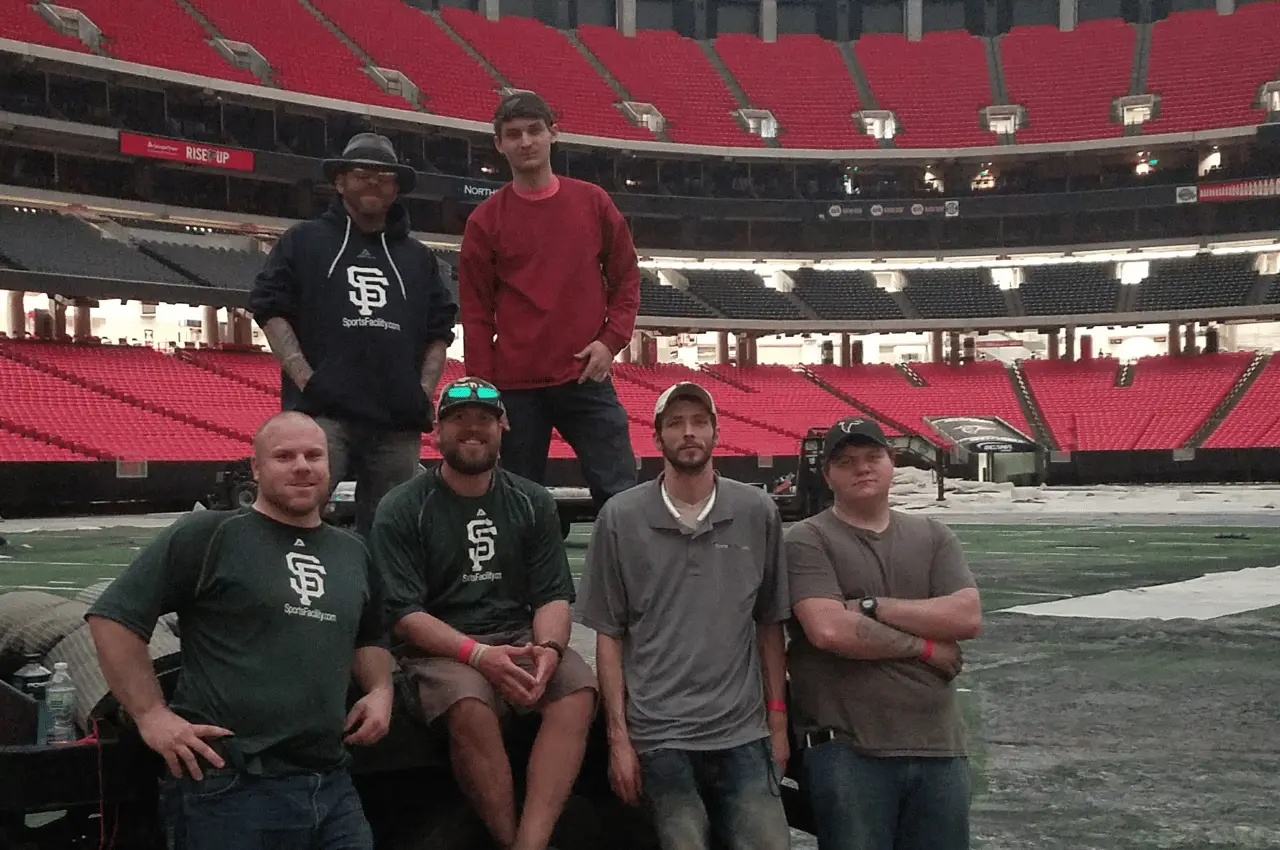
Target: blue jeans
[[735, 794], [378, 458], [590, 419], [239, 811], [866, 803]]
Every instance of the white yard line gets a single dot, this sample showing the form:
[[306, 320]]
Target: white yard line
[[35, 587], [1203, 598], [61, 564]]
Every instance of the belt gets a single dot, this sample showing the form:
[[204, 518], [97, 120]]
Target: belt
[[822, 736]]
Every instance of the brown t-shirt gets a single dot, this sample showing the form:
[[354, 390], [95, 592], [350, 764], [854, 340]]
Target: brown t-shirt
[[887, 708]]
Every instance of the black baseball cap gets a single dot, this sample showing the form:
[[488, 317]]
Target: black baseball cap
[[852, 429], [465, 391]]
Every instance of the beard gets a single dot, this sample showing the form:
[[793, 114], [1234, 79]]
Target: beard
[[470, 461], [368, 203], [689, 462]]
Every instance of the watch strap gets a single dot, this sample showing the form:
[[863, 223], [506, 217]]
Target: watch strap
[[867, 605]]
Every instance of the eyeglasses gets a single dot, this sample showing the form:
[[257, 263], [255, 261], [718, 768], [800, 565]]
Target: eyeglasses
[[367, 176], [471, 392]]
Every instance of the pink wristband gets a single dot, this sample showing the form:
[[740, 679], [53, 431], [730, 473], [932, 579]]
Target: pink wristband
[[928, 650], [464, 651], [778, 705]]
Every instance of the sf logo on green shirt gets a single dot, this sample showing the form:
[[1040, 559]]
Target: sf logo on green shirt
[[308, 582], [482, 535]]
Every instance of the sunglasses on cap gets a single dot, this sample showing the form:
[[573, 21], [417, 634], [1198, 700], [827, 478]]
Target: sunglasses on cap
[[471, 392]]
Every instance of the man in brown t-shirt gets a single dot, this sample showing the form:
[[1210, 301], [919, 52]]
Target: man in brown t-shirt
[[880, 600]]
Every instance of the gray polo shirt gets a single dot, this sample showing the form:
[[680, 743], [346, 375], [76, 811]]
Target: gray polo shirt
[[685, 604]]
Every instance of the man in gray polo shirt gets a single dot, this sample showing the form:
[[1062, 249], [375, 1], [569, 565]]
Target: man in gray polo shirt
[[685, 585], [881, 599]]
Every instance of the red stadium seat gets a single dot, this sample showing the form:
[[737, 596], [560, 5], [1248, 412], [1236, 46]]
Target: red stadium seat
[[1169, 398], [534, 56], [937, 86]]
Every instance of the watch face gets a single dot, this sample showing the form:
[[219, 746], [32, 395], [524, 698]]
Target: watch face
[[868, 605]]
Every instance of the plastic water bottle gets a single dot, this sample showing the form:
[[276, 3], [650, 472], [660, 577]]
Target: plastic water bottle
[[33, 680], [61, 697]]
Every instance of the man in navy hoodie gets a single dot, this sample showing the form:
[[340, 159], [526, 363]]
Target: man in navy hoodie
[[356, 312]]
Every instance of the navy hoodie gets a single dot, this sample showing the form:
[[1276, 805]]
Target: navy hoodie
[[364, 306]]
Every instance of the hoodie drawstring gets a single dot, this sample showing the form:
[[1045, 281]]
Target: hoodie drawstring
[[346, 236], [403, 294]]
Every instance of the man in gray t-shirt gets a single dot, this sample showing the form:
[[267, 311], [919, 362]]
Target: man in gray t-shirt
[[685, 585], [881, 599]]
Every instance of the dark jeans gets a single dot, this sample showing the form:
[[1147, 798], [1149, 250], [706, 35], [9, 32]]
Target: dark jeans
[[590, 419], [735, 794], [379, 458], [239, 811], [865, 803]]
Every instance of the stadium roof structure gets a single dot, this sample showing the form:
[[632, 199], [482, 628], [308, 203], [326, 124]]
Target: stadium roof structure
[[136, 215]]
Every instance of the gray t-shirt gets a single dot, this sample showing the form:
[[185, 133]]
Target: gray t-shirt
[[887, 708], [685, 604]]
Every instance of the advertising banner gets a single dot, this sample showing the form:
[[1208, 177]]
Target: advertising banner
[[893, 209], [474, 191], [1240, 190], [981, 434], [191, 153]]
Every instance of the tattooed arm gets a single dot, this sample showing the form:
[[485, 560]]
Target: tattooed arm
[[433, 367], [831, 627], [286, 348]]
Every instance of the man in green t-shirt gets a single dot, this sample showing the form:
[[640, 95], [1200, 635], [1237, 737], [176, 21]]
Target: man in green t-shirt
[[478, 588], [277, 610]]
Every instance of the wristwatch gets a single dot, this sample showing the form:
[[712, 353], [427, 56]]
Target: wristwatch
[[867, 605], [550, 644]]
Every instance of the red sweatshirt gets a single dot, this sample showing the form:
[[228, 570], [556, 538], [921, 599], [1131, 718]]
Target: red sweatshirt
[[542, 276]]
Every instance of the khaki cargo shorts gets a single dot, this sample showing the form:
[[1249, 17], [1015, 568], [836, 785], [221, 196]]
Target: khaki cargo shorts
[[439, 683]]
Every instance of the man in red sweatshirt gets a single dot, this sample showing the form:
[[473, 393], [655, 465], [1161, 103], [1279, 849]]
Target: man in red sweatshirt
[[549, 287]]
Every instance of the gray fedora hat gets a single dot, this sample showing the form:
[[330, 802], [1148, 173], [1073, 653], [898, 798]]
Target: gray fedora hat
[[370, 150]]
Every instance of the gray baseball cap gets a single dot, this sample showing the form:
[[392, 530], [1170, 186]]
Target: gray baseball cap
[[684, 389]]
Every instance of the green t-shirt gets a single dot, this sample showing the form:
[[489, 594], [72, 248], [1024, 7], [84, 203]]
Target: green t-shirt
[[270, 616], [483, 565]]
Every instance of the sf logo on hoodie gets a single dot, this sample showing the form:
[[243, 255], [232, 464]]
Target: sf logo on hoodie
[[368, 293], [368, 289]]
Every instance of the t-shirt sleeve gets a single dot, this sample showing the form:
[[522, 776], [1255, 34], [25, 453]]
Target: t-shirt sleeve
[[550, 578], [164, 577], [398, 558], [773, 604], [949, 571], [810, 573], [602, 594], [372, 630]]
